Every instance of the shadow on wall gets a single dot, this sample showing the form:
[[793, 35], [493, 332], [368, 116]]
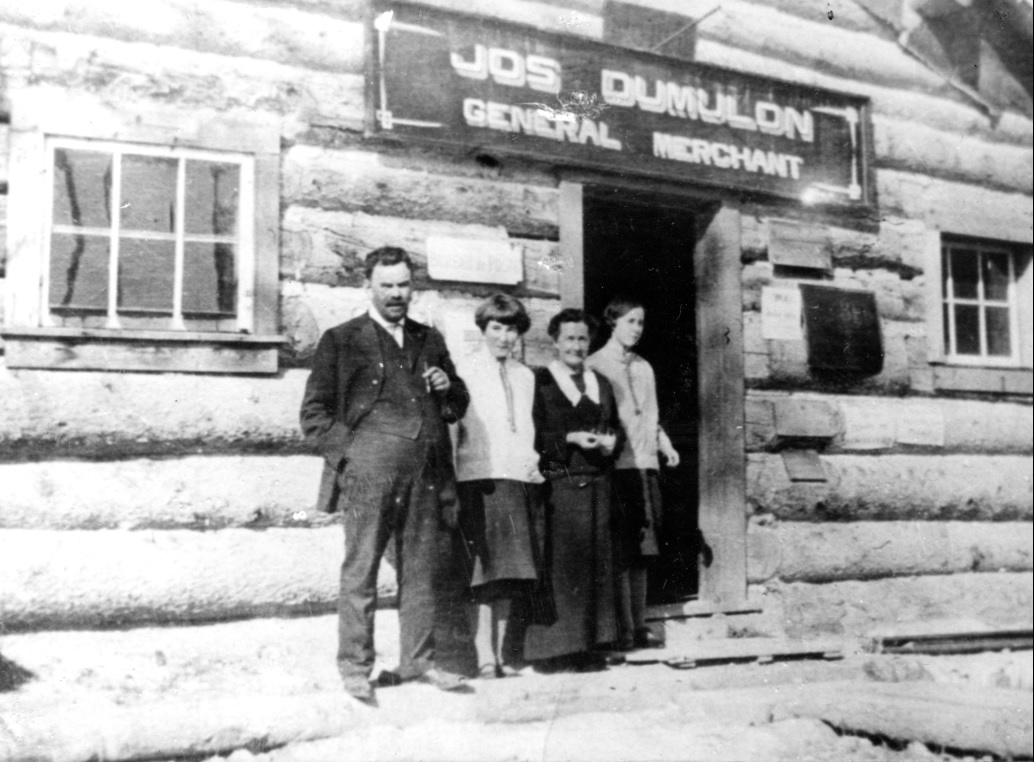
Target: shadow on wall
[[12, 676]]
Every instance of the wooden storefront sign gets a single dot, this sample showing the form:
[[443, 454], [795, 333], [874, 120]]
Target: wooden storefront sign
[[508, 89]]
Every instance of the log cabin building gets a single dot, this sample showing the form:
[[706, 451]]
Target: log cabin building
[[826, 208]]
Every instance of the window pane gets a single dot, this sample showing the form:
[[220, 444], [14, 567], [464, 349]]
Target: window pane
[[145, 275], [212, 193], [82, 188], [998, 341], [967, 329], [964, 273], [209, 278], [148, 193], [996, 276], [78, 272]]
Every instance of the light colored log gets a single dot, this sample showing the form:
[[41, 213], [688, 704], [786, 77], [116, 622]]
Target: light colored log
[[88, 413], [118, 71], [896, 488], [860, 607], [315, 39], [361, 181], [109, 577], [946, 111], [207, 492], [896, 298], [915, 147], [811, 552], [907, 425], [953, 207], [945, 716], [329, 247]]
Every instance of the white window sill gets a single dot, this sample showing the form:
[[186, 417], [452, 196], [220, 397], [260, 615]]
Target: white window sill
[[969, 378], [145, 351]]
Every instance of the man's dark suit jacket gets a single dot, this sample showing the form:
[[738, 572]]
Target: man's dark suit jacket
[[346, 380]]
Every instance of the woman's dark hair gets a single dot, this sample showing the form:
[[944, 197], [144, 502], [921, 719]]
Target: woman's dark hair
[[502, 308], [571, 315], [618, 307], [386, 255]]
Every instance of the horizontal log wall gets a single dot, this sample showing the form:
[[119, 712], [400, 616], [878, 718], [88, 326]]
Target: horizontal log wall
[[226, 451], [109, 577]]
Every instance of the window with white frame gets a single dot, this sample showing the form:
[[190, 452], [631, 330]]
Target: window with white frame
[[981, 311], [142, 237]]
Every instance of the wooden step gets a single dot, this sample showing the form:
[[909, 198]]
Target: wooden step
[[691, 654]]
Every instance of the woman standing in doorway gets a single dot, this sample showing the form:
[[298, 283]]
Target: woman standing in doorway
[[637, 498], [498, 478], [577, 432]]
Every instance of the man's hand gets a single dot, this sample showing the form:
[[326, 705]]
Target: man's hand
[[451, 513], [437, 379]]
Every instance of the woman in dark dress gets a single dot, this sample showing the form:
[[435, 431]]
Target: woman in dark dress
[[577, 431]]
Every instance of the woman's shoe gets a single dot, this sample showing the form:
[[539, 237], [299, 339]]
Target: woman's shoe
[[645, 638]]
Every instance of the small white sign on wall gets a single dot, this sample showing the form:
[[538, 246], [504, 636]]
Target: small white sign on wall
[[474, 260], [781, 314]]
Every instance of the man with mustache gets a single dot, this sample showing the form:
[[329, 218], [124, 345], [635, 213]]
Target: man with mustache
[[376, 407]]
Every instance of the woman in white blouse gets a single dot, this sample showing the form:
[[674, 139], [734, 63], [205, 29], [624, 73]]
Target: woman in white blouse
[[636, 513], [498, 478]]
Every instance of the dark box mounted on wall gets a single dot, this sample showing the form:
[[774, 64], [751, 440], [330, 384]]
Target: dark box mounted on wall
[[843, 330]]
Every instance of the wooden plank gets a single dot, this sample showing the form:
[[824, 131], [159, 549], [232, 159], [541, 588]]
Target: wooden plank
[[572, 242], [721, 454], [728, 650], [267, 244]]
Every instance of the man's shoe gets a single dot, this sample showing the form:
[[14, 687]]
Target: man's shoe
[[644, 638], [359, 688], [445, 681]]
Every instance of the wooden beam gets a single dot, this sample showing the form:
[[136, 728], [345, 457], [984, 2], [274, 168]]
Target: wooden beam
[[572, 243], [721, 450]]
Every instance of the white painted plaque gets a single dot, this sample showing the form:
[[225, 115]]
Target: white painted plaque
[[474, 260], [921, 425], [781, 314]]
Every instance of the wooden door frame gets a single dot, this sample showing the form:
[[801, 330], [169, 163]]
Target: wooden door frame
[[719, 325]]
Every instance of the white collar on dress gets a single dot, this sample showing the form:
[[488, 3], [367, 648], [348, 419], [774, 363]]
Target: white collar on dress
[[562, 374]]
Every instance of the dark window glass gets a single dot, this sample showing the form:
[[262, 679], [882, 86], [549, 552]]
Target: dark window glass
[[209, 278], [145, 275], [964, 273], [148, 194], [212, 191], [997, 321], [967, 329], [996, 276], [82, 188], [78, 272]]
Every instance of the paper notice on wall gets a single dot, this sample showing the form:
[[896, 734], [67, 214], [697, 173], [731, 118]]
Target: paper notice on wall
[[462, 336], [921, 424], [474, 260], [781, 314], [867, 426]]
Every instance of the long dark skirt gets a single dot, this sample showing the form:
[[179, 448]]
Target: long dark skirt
[[502, 524], [636, 517], [577, 570]]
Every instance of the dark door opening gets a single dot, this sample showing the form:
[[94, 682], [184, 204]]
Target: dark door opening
[[642, 245]]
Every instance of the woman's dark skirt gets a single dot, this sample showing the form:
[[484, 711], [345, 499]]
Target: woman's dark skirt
[[636, 516], [501, 522], [578, 572]]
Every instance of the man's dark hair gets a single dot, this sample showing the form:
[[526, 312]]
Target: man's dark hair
[[386, 255], [571, 315], [618, 307], [504, 309]]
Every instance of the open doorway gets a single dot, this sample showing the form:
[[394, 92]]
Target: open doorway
[[642, 245]]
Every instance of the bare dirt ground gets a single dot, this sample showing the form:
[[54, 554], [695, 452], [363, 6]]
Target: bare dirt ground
[[267, 690]]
